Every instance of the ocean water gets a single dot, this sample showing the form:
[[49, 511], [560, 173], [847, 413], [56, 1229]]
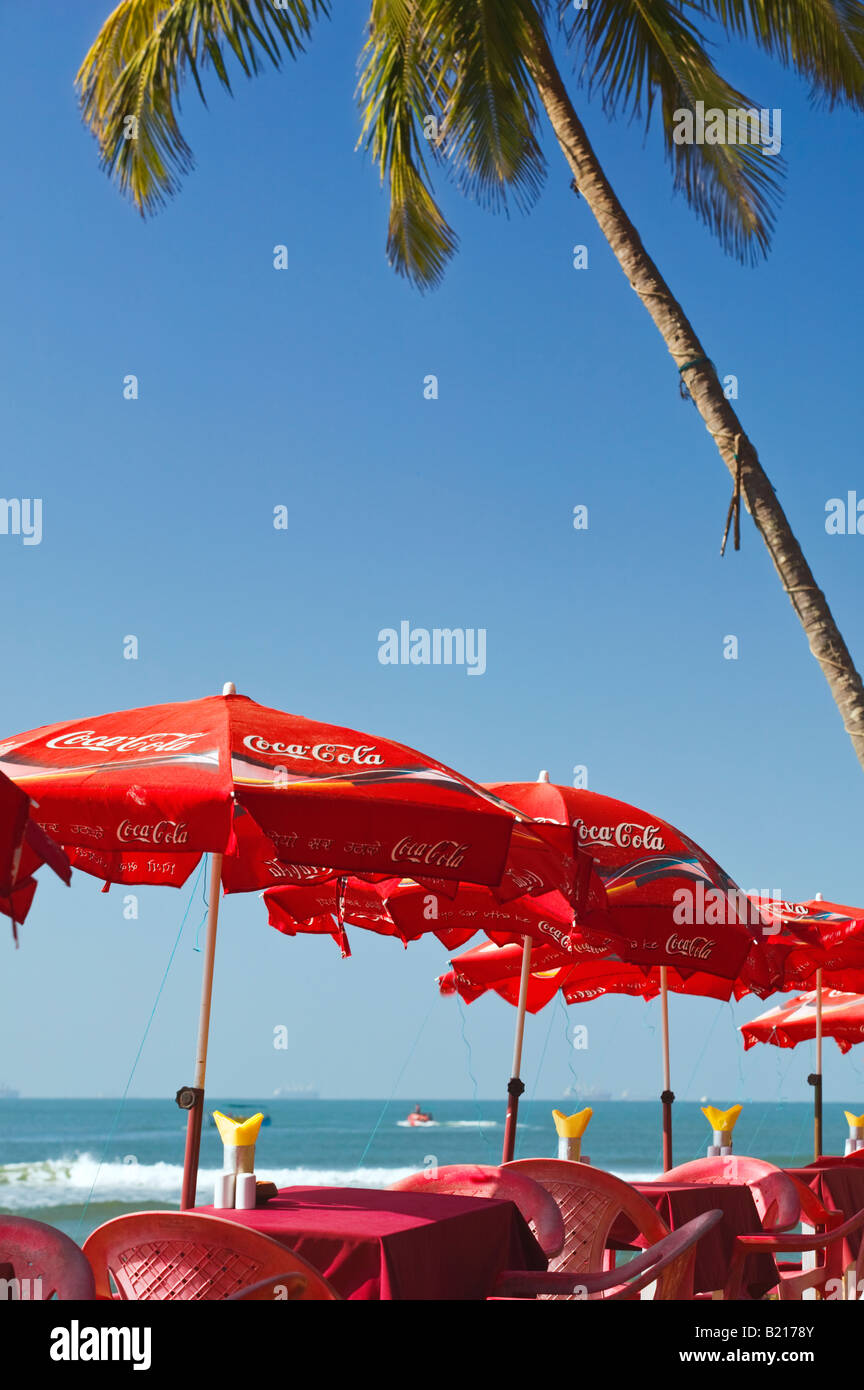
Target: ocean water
[[78, 1163]]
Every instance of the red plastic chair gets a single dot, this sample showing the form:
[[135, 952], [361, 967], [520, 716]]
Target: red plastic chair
[[591, 1202], [38, 1262], [777, 1198], [167, 1255], [669, 1263], [475, 1180], [792, 1285]]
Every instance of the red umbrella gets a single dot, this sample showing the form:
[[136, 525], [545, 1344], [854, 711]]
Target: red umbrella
[[824, 925], [662, 889], [454, 913], [802, 938], [786, 1025], [138, 796], [579, 975], [24, 846], [809, 942], [668, 902]]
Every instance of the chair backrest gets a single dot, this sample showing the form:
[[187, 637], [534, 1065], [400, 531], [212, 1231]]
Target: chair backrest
[[591, 1202], [168, 1255], [39, 1262], [775, 1194], [477, 1180]]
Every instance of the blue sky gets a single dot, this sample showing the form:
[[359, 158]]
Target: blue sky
[[304, 388]]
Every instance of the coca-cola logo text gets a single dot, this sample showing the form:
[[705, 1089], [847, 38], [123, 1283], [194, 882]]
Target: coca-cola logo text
[[361, 755], [122, 743], [626, 835], [525, 879], [445, 854], [694, 947], [162, 832]]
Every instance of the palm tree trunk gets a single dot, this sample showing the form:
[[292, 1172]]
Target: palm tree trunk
[[810, 604]]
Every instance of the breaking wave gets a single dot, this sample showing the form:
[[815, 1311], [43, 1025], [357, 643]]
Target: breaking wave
[[64, 1182]]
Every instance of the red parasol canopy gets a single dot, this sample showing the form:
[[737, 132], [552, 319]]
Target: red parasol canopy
[[23, 848], [454, 913], [801, 939], [796, 1021], [668, 902], [580, 975], [138, 796]]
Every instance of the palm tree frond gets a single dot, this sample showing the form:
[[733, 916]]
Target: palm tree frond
[[447, 83], [400, 107], [823, 40], [644, 52], [490, 114], [130, 81]]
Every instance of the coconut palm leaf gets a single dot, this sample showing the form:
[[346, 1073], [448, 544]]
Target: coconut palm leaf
[[644, 53], [401, 99], [823, 40], [490, 116], [448, 82], [130, 81]]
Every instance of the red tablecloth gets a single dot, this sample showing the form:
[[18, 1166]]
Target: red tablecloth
[[373, 1244], [678, 1202]]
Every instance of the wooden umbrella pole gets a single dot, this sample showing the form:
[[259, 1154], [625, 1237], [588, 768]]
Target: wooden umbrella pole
[[668, 1096], [196, 1108], [516, 1086]]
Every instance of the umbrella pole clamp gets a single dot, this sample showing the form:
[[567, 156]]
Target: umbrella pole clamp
[[191, 1099], [188, 1097], [515, 1088]]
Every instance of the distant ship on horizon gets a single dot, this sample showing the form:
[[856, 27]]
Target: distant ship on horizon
[[586, 1093], [8, 1092], [296, 1093]]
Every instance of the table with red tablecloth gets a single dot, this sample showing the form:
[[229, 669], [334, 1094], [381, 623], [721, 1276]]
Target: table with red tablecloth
[[678, 1202], [373, 1244]]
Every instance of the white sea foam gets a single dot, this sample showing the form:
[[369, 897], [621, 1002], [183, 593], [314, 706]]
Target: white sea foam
[[67, 1181]]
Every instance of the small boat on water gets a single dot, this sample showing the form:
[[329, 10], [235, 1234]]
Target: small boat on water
[[419, 1117]]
